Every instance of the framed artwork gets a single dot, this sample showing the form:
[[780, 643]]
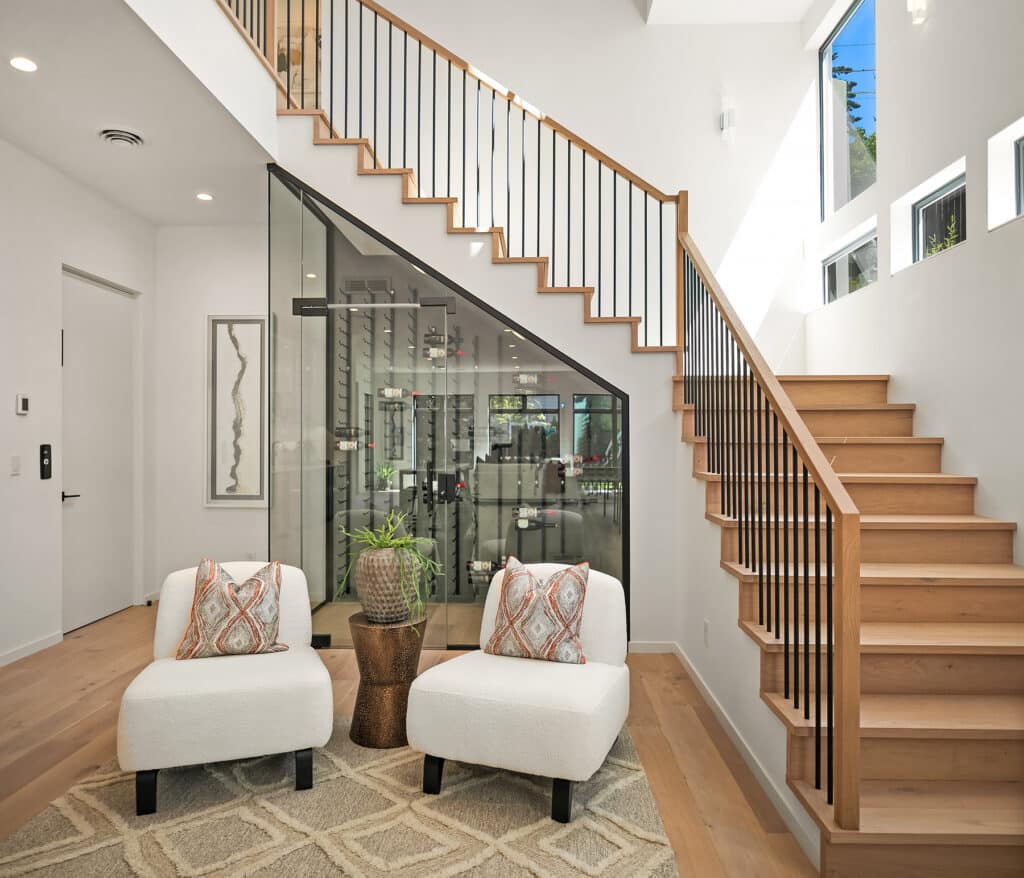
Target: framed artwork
[[236, 411]]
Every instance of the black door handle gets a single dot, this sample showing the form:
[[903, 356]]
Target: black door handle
[[64, 496]]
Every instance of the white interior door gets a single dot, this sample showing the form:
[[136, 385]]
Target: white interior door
[[98, 451]]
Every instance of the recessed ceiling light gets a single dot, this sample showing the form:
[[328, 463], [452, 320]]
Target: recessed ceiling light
[[515, 357], [412, 347], [311, 276], [204, 196], [353, 309], [511, 345], [25, 65], [387, 331]]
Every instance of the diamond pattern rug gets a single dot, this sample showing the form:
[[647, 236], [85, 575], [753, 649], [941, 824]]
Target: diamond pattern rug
[[365, 817]]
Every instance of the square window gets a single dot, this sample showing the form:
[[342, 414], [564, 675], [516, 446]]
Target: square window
[[851, 269], [848, 118], [940, 220]]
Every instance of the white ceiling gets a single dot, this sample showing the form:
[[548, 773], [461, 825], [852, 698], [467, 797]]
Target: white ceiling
[[723, 11], [101, 67]]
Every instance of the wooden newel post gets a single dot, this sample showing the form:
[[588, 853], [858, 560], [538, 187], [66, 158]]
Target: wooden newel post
[[847, 672], [682, 229]]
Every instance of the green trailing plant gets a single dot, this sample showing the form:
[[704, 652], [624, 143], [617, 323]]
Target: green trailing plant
[[951, 239], [385, 472], [415, 568]]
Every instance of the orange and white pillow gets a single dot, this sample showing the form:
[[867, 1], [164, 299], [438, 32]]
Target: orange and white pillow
[[540, 619], [231, 619]]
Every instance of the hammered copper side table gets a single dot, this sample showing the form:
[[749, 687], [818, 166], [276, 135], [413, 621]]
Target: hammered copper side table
[[388, 657]]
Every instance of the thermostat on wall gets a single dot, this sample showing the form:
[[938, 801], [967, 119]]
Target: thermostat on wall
[[21, 405]]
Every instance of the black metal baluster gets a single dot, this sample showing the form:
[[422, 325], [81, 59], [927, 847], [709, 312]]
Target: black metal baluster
[[568, 213], [760, 510], [785, 563], [302, 57], [751, 475], [316, 61], [828, 650], [744, 530], [554, 199], [477, 218], [522, 197], [360, 7], [448, 135], [647, 266], [330, 100], [288, 52], [391, 65], [615, 243], [661, 274], [796, 584], [433, 124], [419, 119], [538, 187], [737, 467], [817, 638], [464, 202], [778, 524], [508, 176], [768, 523], [629, 254], [376, 40], [807, 603], [492, 158], [583, 216], [600, 190], [723, 486], [348, 14], [405, 101]]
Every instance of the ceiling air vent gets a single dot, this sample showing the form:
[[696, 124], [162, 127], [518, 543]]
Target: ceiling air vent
[[120, 137]]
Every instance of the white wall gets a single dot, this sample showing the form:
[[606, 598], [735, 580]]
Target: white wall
[[947, 329], [47, 219], [650, 97], [199, 271]]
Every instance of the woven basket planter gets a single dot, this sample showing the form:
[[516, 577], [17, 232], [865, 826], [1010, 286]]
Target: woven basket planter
[[378, 575]]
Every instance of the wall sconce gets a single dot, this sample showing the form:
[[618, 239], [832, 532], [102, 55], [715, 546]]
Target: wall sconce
[[918, 10], [727, 120]]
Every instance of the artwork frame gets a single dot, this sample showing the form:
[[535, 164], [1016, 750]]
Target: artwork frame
[[236, 411]]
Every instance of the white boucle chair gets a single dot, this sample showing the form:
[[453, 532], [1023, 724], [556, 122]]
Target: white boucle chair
[[196, 711], [535, 717]]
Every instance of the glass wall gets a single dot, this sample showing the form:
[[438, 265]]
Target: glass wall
[[391, 391]]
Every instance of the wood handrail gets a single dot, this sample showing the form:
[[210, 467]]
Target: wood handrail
[[846, 608]]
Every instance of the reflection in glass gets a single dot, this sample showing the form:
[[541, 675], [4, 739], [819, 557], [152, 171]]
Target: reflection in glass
[[390, 391], [851, 270], [848, 108]]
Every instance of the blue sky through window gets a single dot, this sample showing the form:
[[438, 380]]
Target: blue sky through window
[[854, 47]]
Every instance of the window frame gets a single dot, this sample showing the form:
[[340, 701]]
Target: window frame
[[845, 20], [524, 410], [918, 208], [839, 254], [1018, 165]]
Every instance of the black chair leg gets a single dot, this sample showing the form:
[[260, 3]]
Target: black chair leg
[[304, 769], [433, 768], [561, 800], [145, 792]]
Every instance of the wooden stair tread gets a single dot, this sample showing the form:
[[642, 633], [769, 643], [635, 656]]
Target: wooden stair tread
[[896, 574], [831, 407], [827, 378], [851, 440], [892, 521], [954, 638], [857, 478], [927, 812], [923, 716]]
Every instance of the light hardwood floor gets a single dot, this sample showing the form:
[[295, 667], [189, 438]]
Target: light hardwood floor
[[59, 710]]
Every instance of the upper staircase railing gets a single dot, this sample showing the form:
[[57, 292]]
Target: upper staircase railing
[[593, 223]]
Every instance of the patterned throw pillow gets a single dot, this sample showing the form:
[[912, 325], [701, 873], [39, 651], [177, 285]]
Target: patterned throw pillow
[[231, 619], [540, 619]]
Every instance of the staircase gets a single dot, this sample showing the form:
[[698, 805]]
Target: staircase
[[889, 615]]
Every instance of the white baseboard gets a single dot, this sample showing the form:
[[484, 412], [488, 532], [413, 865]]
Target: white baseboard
[[653, 646], [29, 648], [808, 839]]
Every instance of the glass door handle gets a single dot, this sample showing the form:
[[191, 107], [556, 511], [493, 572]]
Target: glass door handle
[[64, 496]]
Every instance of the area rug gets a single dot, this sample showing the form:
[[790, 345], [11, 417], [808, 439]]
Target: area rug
[[366, 817]]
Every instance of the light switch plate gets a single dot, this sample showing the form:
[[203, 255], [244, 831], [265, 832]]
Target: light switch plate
[[21, 405]]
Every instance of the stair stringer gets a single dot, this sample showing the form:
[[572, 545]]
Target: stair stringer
[[511, 288]]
